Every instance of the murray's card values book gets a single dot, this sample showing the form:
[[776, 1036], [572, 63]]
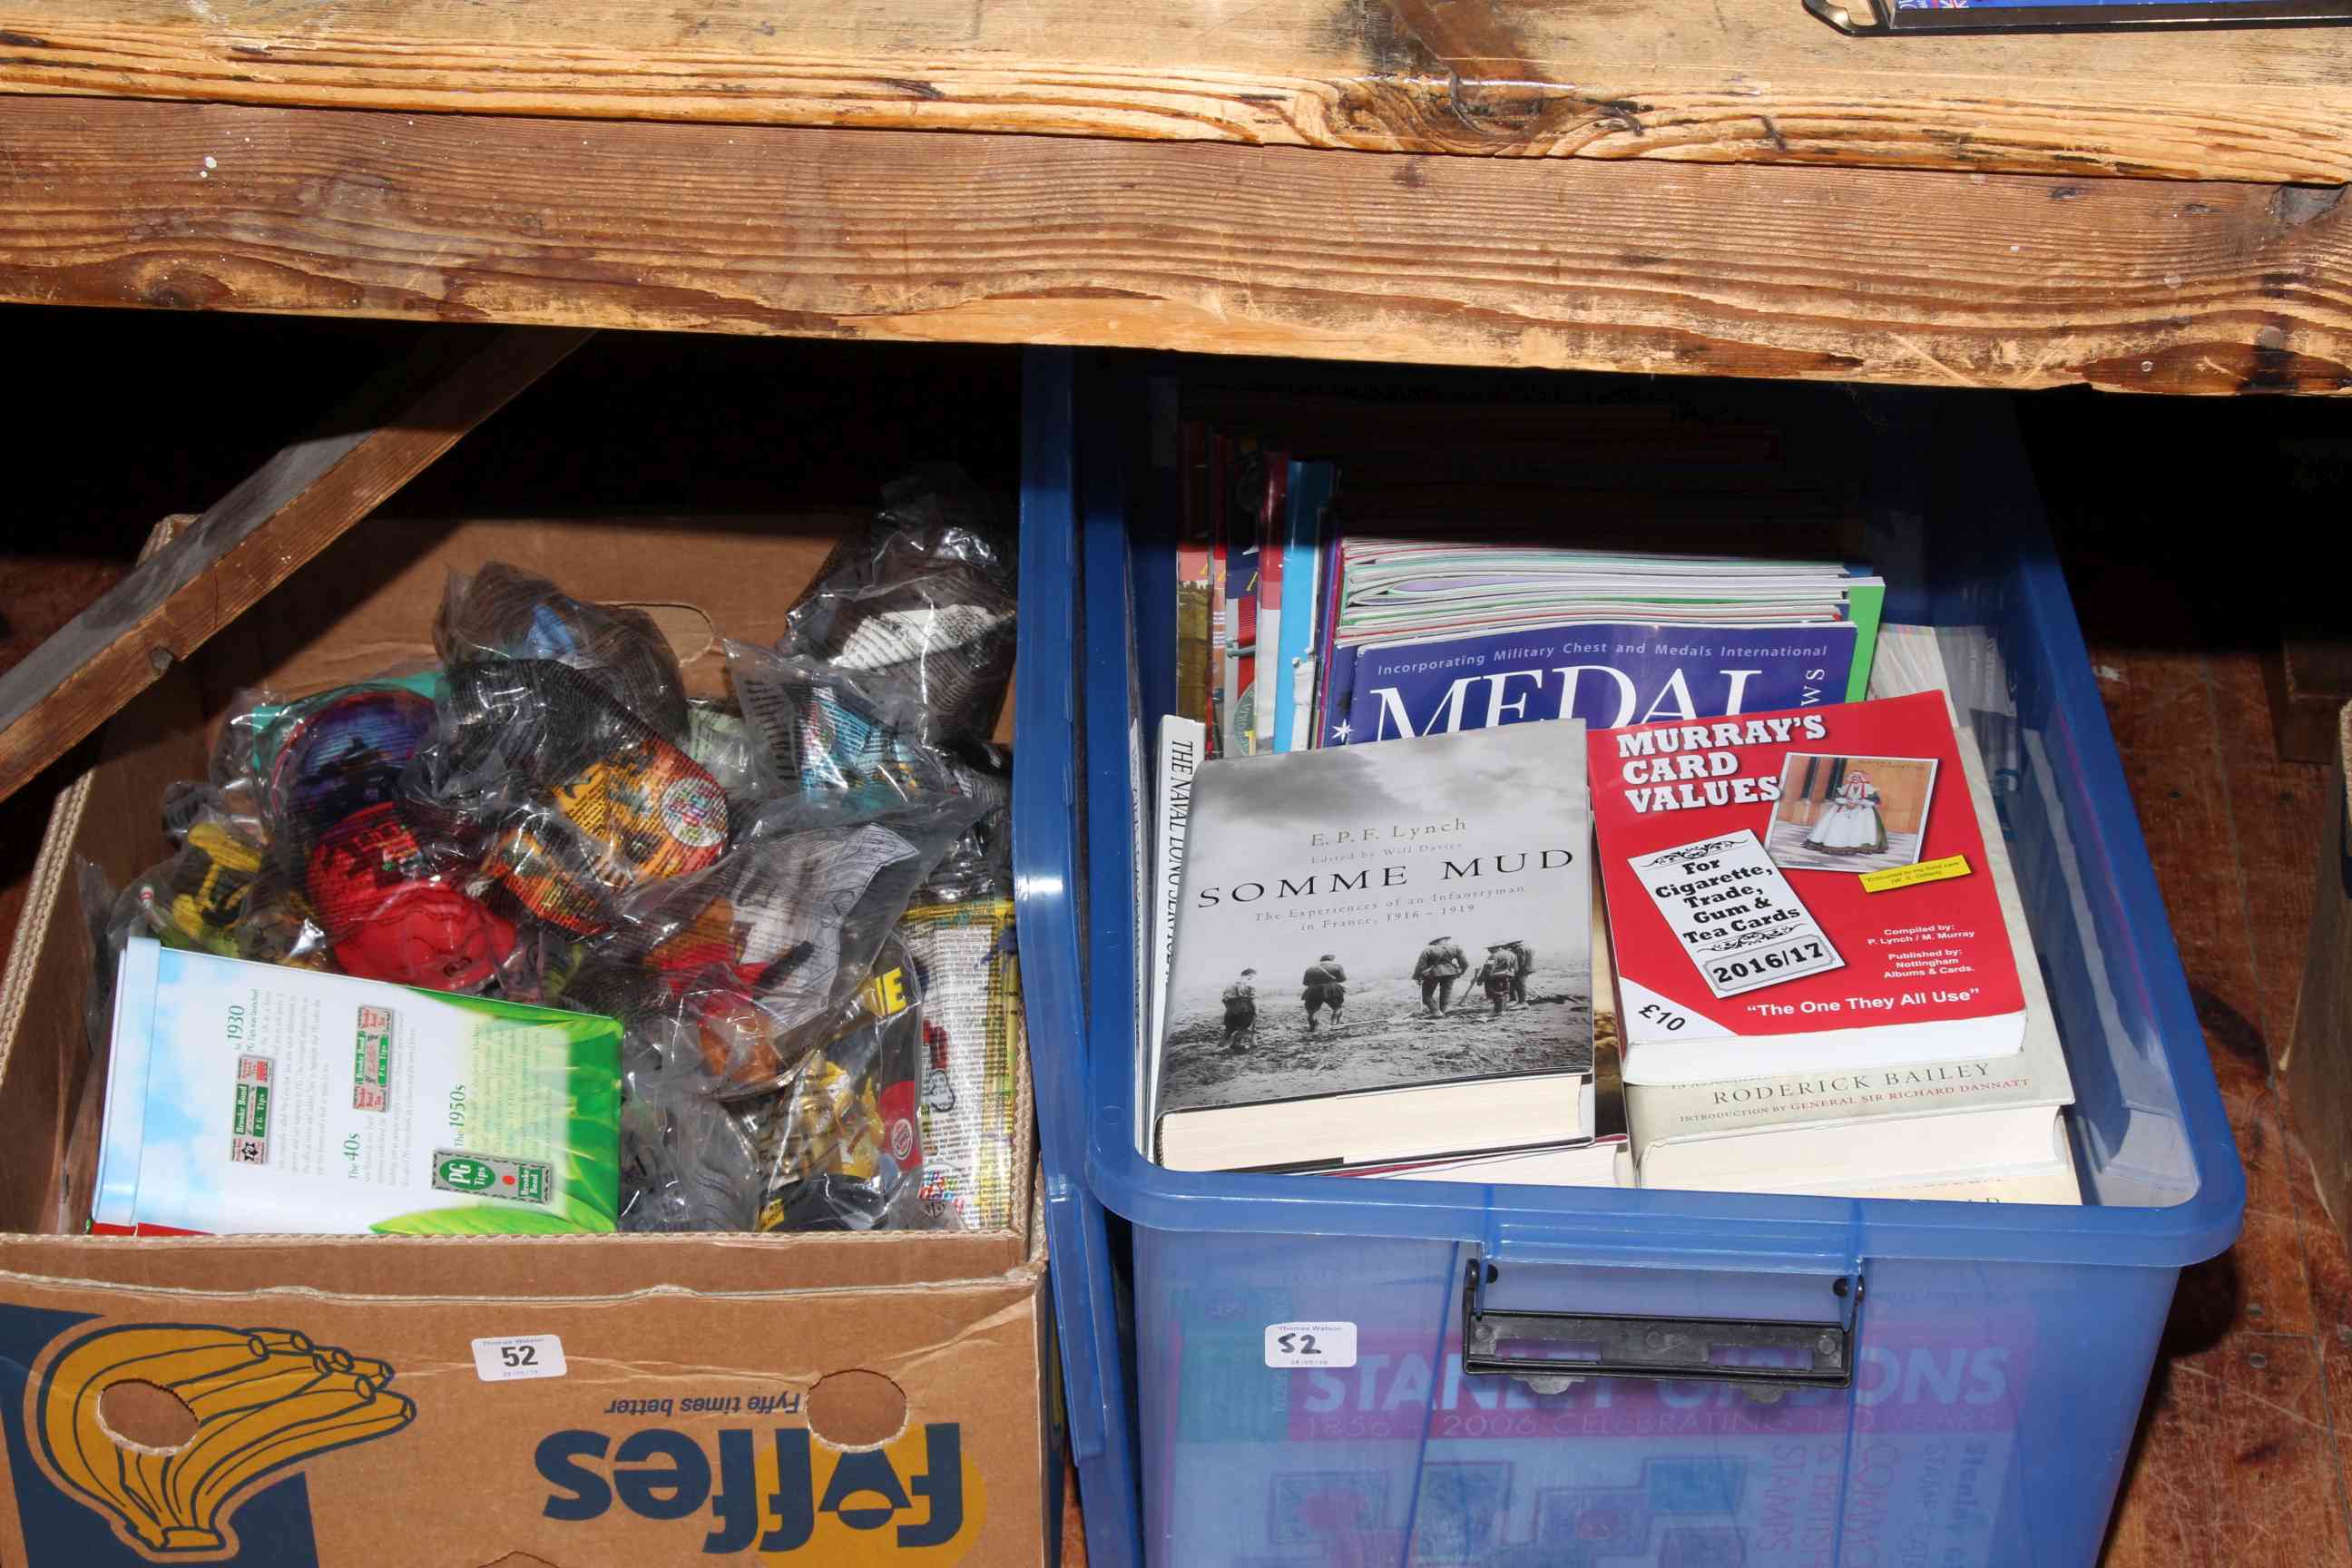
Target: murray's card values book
[[1382, 952], [1800, 890]]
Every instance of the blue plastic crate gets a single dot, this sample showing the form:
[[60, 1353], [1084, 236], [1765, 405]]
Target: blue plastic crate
[[1999, 1353]]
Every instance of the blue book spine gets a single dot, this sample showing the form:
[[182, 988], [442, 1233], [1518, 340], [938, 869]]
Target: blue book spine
[[1606, 673], [1339, 692], [1311, 491]]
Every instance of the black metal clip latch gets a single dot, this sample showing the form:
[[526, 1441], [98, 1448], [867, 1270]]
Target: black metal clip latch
[[1763, 1356]]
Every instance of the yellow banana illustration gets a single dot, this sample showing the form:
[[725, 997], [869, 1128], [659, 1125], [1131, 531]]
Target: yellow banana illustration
[[263, 1399]]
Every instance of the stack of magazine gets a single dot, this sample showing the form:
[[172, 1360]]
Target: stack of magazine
[[1581, 867]]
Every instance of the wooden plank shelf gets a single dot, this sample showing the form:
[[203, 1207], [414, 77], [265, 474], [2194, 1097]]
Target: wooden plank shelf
[[1720, 186], [1876, 275], [1695, 80]]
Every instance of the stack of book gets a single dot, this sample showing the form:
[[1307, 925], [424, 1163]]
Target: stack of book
[[1510, 862], [1826, 980]]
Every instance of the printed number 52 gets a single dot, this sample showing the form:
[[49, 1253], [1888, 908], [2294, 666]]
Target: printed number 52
[[518, 1356], [1296, 1344]]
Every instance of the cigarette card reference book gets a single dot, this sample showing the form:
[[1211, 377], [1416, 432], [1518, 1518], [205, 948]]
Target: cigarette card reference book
[[1800, 891], [1382, 953], [251, 1099]]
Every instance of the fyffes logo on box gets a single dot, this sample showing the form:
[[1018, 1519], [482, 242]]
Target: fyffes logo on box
[[778, 1494]]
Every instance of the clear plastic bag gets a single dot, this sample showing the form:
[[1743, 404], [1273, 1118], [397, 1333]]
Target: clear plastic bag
[[760, 955], [984, 772], [830, 746], [722, 743], [687, 1160], [563, 797], [841, 1146], [350, 863], [504, 611], [961, 936], [924, 596], [261, 721], [195, 899]]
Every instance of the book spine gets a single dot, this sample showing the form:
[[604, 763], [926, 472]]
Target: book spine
[[1867, 603], [1212, 696], [1192, 578], [1326, 629], [1302, 618], [1182, 745]]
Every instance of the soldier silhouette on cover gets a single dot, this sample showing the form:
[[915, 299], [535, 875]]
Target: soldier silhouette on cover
[[1441, 964], [1241, 1009], [1524, 967], [1497, 975], [1325, 985]]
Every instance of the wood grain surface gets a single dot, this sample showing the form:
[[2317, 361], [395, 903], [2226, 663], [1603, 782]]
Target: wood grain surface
[[1706, 81], [1874, 275], [253, 538]]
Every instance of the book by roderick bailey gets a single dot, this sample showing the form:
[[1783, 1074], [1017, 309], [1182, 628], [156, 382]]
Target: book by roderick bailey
[[1800, 891], [1382, 952]]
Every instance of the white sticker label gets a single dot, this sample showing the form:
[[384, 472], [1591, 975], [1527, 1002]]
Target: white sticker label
[[1736, 914], [511, 1360], [1310, 1344]]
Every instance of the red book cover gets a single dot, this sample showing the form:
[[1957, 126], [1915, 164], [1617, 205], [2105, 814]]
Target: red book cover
[[1799, 891], [1262, 612]]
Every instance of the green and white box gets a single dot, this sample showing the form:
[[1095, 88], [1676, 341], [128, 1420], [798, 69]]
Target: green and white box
[[245, 1097]]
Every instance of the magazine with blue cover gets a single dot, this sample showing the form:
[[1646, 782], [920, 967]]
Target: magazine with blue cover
[[1607, 673], [1866, 16]]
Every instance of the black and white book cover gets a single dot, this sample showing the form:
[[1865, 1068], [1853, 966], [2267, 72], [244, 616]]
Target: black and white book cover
[[1376, 949]]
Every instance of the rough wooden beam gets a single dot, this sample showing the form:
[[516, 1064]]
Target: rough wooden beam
[[1726, 80], [253, 538], [2017, 281]]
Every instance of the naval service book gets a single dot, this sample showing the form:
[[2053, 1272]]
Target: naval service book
[[1382, 953]]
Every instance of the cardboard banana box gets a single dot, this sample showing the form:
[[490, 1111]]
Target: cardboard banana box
[[449, 1402]]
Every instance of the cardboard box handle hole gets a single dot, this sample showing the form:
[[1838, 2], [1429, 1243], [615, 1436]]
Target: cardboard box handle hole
[[856, 1409], [141, 1416]]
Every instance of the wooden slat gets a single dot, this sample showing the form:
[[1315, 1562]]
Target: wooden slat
[[1711, 81], [285, 512], [2017, 281]]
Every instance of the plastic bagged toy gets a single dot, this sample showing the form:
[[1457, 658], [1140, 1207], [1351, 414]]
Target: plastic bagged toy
[[722, 745], [922, 597], [566, 798], [504, 611], [258, 729], [688, 1163], [984, 772], [195, 898], [760, 955], [829, 746], [345, 831], [965, 952], [841, 1147]]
